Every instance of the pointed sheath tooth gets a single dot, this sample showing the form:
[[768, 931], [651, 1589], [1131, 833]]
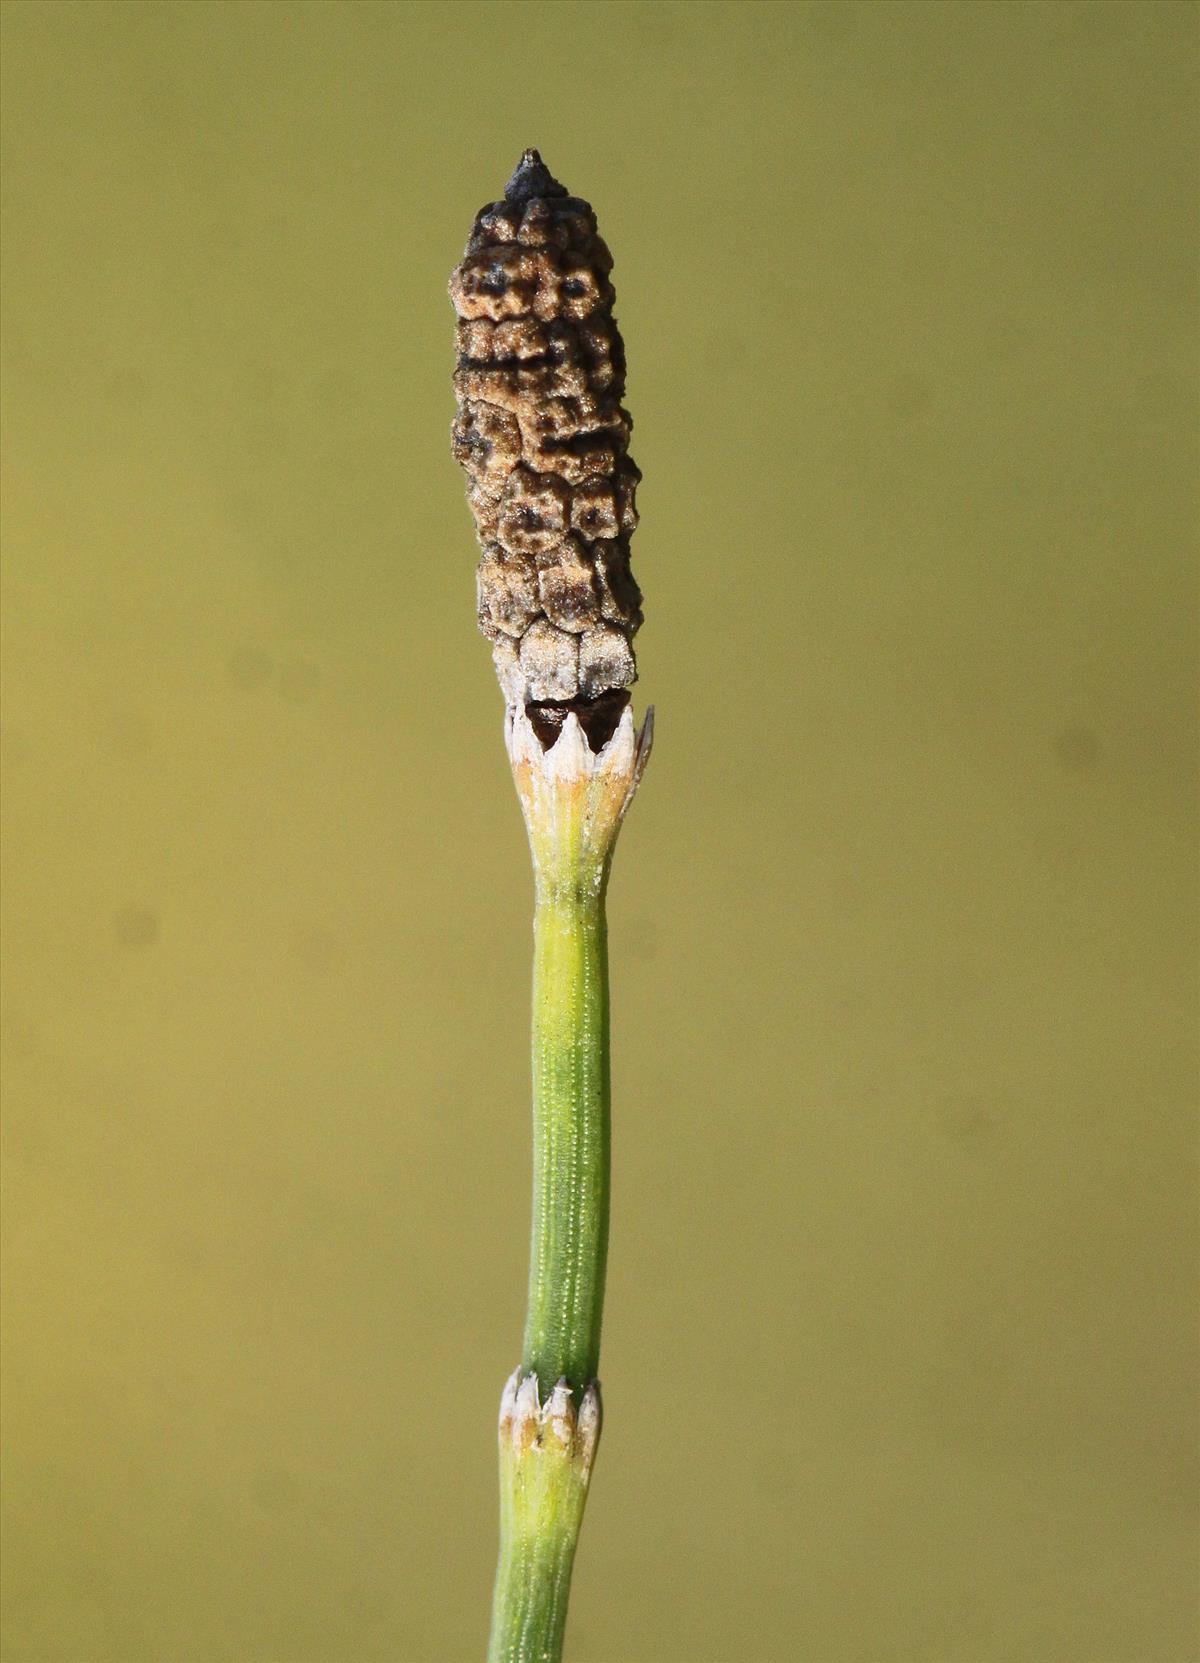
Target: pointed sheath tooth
[[523, 744], [645, 741], [527, 1405], [559, 1415], [508, 1400], [616, 757], [569, 758], [588, 1424], [526, 1414]]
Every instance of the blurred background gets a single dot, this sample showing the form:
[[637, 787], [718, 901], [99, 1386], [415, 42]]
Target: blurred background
[[900, 1345]]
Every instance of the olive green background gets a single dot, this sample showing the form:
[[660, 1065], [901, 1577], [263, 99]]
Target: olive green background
[[899, 1359]]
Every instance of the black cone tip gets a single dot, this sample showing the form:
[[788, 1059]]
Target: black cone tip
[[531, 177]]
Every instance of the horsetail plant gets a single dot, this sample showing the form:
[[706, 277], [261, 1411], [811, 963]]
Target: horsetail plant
[[543, 438]]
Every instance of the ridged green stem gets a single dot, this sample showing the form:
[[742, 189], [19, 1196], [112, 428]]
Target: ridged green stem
[[542, 1494], [569, 1242], [543, 1487]]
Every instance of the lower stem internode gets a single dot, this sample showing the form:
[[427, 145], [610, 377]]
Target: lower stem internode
[[546, 1454]]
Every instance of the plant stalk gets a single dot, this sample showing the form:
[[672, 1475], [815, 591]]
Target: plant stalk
[[573, 801], [571, 1138]]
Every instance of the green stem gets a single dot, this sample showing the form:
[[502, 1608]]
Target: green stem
[[569, 1242], [544, 1475], [543, 1489], [573, 800]]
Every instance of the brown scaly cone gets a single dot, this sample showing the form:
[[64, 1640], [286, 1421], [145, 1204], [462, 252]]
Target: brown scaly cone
[[543, 437]]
